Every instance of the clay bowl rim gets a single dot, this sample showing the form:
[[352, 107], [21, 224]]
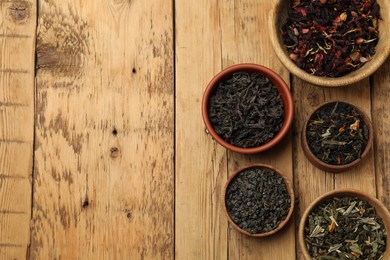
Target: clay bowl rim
[[277, 81], [380, 209], [329, 167], [277, 17], [290, 191]]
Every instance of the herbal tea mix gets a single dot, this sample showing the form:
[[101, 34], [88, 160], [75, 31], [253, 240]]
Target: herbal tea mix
[[345, 228], [246, 110], [337, 134], [257, 200], [331, 37]]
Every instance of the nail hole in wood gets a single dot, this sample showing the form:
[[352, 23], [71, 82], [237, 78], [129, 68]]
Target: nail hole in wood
[[134, 71], [114, 132], [114, 152], [128, 215], [85, 203]]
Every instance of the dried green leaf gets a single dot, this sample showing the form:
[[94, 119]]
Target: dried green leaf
[[356, 248]]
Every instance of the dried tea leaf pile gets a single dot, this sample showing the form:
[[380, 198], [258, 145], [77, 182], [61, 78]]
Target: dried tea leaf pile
[[345, 228], [337, 134], [331, 37], [246, 110], [257, 200]]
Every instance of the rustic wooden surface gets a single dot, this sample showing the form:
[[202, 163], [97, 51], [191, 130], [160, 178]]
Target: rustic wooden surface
[[103, 153], [17, 44]]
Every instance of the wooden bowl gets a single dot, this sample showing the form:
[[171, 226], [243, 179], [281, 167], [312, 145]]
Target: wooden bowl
[[277, 81], [289, 190], [329, 167], [380, 209], [278, 17]]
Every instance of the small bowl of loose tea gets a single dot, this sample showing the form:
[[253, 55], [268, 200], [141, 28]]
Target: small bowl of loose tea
[[247, 108], [331, 43], [345, 224], [337, 136], [258, 200]]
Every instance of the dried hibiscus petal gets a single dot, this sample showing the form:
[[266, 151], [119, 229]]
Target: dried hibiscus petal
[[331, 37]]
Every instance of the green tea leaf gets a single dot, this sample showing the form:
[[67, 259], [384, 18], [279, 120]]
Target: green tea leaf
[[355, 248]]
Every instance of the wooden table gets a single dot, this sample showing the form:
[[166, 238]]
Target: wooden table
[[103, 153]]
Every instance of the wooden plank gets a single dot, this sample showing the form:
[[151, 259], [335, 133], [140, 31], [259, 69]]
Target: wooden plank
[[201, 165], [380, 119], [243, 27], [10, 150], [12, 252], [361, 177], [13, 232], [104, 184], [13, 193], [311, 182], [17, 45], [232, 36], [16, 133]]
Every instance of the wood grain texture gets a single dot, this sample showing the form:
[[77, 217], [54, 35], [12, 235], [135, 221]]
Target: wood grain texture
[[201, 165], [104, 175], [243, 29], [17, 28], [122, 167], [311, 182], [231, 33], [380, 118]]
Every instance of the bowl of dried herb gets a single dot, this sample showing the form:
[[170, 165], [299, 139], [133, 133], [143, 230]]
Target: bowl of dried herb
[[258, 200], [337, 136], [247, 108], [345, 224], [331, 43]]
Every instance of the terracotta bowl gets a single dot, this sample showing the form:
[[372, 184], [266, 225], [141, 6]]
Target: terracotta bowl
[[277, 81], [278, 17], [329, 167], [380, 209], [289, 190]]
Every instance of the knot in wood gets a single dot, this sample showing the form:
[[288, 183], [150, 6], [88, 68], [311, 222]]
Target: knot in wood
[[114, 152], [85, 203], [19, 11]]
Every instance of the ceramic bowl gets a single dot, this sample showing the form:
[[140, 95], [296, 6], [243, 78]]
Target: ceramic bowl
[[278, 17], [289, 190], [329, 167], [277, 81], [380, 209]]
